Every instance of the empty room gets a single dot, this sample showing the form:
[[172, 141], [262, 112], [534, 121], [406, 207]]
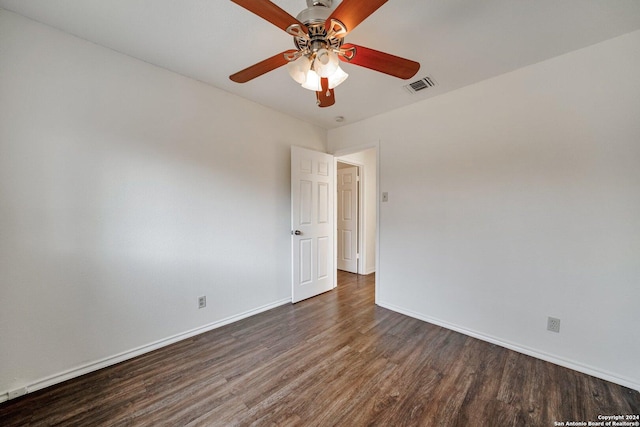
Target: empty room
[[320, 213]]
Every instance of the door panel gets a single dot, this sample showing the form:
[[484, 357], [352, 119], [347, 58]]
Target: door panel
[[323, 257], [347, 221], [323, 203], [312, 216], [306, 261], [347, 252], [305, 202]]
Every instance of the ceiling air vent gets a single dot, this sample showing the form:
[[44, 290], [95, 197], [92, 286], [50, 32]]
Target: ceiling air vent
[[422, 84]]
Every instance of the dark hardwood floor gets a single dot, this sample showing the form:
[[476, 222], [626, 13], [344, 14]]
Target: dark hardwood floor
[[336, 359]]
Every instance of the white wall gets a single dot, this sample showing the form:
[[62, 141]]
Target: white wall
[[518, 198], [127, 191], [368, 159]]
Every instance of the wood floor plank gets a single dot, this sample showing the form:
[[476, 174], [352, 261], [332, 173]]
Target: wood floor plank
[[336, 359]]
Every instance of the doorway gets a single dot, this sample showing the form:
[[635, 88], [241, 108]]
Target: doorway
[[357, 210], [348, 216]]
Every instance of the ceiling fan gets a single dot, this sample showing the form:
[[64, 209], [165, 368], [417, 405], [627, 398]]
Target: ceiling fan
[[318, 34]]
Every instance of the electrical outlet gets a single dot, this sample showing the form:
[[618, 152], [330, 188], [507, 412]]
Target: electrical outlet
[[553, 324], [202, 302]]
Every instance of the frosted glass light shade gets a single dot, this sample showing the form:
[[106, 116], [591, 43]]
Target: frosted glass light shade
[[337, 77], [326, 63], [312, 82], [299, 68]]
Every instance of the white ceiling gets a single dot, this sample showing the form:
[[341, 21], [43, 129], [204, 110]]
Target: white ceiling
[[457, 42]]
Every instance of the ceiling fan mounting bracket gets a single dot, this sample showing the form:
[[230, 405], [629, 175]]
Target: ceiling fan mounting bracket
[[348, 53], [337, 29], [293, 55], [297, 31], [325, 3]]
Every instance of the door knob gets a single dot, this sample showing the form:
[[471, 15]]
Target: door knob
[[297, 232]]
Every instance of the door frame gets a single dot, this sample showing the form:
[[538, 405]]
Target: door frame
[[360, 264], [345, 152]]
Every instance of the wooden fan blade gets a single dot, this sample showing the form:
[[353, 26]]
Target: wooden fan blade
[[353, 12], [378, 61], [272, 13], [262, 67], [326, 97]]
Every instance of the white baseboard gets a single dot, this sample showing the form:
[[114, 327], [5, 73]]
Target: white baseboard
[[576, 366], [130, 354]]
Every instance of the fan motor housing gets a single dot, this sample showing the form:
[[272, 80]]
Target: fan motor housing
[[314, 17]]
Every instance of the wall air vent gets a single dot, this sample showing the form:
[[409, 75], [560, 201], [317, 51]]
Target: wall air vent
[[422, 84]]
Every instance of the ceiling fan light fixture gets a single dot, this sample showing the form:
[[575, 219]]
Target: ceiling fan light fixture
[[337, 77], [299, 69], [312, 82], [326, 62]]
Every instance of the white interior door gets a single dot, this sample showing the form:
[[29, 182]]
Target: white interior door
[[347, 221], [312, 223]]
